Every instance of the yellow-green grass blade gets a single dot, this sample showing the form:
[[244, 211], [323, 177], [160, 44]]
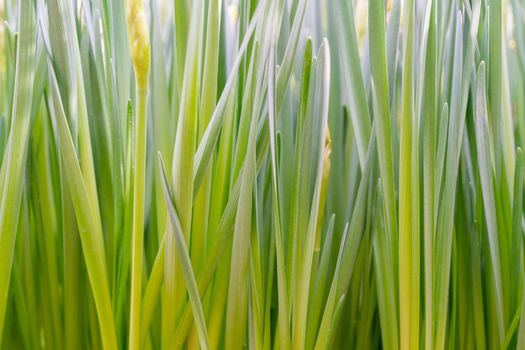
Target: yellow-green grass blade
[[386, 294], [445, 223], [182, 165], [16, 154], [140, 54], [378, 71], [236, 310], [323, 338], [428, 125], [409, 196], [299, 201], [187, 270], [90, 228], [489, 202], [282, 291], [322, 90]]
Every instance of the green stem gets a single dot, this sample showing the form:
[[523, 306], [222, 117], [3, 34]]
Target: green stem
[[138, 216]]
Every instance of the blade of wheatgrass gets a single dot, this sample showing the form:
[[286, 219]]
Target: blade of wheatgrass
[[221, 187], [521, 329], [428, 126], [282, 297], [441, 148], [508, 142], [511, 330], [486, 178], [183, 154], [353, 77], [23, 285], [408, 197], [300, 195], [162, 121], [85, 194], [238, 279], [236, 311], [98, 108], [270, 273], [378, 71], [204, 151], [62, 64], [207, 106], [285, 70], [118, 80], [330, 307], [251, 103], [386, 297], [211, 135], [125, 241], [516, 244], [445, 222], [249, 107], [76, 110], [48, 208], [89, 228], [392, 38], [114, 24], [201, 161], [320, 286], [182, 165], [365, 327], [140, 55], [255, 290], [202, 157], [182, 27], [478, 312], [494, 72], [15, 158], [223, 236], [355, 268], [201, 206], [184, 258], [73, 325], [305, 266], [327, 165]]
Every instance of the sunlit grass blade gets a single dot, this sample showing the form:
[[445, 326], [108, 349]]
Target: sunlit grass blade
[[445, 222], [282, 291], [90, 228], [306, 251], [378, 71], [489, 202], [187, 270], [12, 184], [139, 43]]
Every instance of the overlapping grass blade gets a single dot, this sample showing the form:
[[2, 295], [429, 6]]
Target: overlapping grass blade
[[187, 270], [12, 184]]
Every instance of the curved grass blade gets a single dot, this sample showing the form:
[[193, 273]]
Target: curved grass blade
[[184, 258]]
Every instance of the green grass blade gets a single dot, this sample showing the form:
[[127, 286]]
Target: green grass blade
[[353, 77], [184, 258], [489, 202], [16, 154], [378, 70], [90, 229]]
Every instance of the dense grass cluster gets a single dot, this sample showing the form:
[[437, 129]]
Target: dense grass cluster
[[289, 174]]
